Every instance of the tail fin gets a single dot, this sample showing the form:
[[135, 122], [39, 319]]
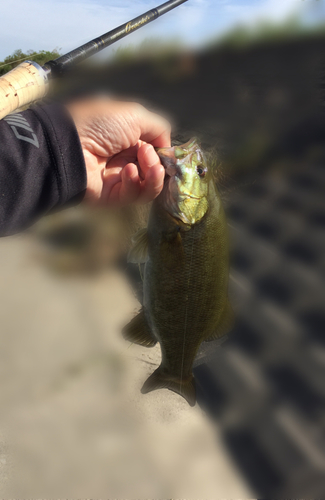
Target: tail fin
[[160, 380]]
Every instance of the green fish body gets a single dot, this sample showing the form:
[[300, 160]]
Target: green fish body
[[185, 250]]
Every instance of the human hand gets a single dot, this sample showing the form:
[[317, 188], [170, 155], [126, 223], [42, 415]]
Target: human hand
[[118, 140]]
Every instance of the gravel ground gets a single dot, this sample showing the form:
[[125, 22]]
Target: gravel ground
[[74, 423]]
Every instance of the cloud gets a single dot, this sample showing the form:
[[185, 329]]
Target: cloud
[[46, 24], [270, 9], [39, 24]]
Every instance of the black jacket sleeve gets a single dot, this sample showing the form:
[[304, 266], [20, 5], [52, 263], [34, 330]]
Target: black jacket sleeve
[[41, 165]]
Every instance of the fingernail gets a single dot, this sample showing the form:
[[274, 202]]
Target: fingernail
[[151, 156]]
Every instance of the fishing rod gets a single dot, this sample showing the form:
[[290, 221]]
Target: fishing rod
[[28, 82]]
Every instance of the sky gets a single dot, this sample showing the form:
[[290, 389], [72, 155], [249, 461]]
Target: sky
[[66, 24]]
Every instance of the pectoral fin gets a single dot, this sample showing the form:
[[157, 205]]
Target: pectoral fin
[[138, 332], [225, 323], [139, 251]]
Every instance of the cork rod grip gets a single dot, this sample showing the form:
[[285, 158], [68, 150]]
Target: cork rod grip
[[21, 86]]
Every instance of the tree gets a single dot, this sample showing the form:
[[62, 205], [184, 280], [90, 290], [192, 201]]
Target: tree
[[19, 56]]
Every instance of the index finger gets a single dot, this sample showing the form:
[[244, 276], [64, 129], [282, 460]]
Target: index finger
[[154, 129]]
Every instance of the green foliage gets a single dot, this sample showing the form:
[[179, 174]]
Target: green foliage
[[124, 54], [265, 31], [148, 48], [19, 56]]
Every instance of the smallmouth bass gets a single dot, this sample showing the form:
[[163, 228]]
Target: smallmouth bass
[[186, 256]]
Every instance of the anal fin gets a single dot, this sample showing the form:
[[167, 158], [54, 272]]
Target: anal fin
[[138, 332], [225, 323]]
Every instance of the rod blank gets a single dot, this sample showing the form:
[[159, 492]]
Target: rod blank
[[59, 65]]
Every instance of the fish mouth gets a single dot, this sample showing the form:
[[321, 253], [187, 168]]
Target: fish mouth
[[188, 195], [173, 171], [180, 195], [168, 160]]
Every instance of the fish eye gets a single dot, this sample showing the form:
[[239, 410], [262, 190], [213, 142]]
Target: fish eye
[[201, 170]]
